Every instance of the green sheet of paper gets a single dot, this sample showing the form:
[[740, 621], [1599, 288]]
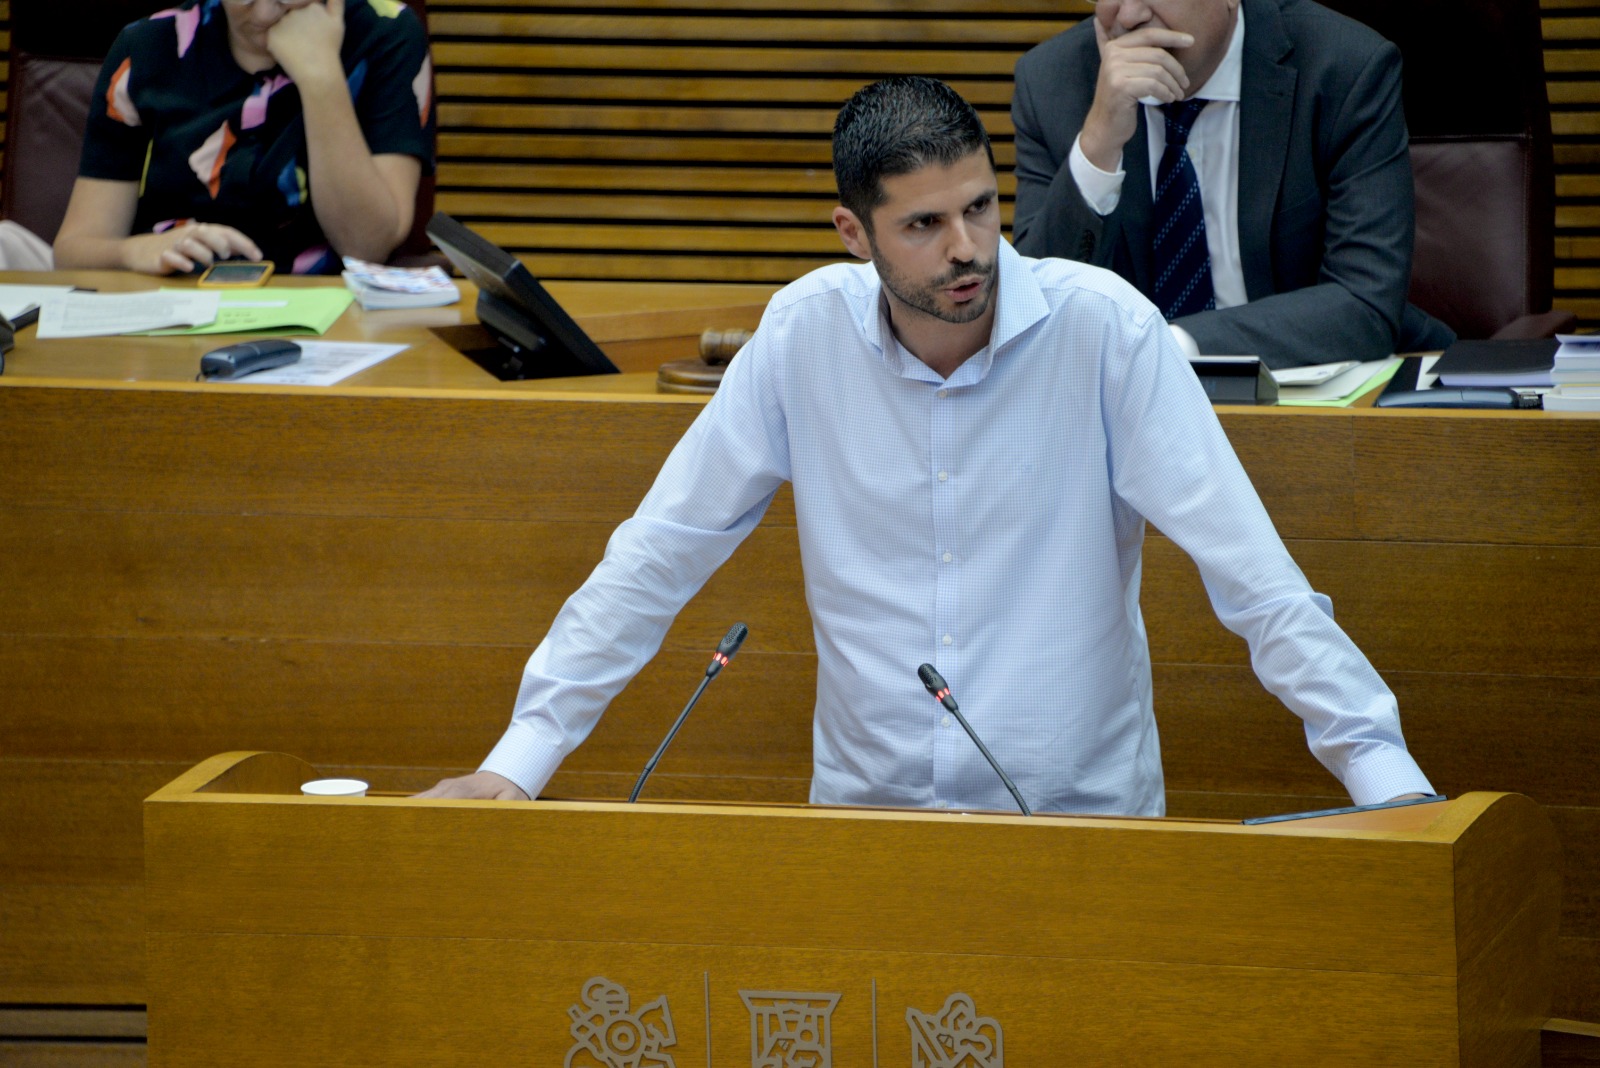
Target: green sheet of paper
[[272, 309]]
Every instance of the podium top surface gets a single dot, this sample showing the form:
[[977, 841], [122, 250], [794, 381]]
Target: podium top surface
[[275, 778]]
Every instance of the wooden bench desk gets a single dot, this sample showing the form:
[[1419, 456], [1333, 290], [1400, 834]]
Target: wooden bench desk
[[358, 573]]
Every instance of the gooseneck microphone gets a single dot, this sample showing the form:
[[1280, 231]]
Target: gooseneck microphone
[[719, 660], [941, 691]]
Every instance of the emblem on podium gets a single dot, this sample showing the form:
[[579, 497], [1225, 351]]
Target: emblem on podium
[[609, 1035], [790, 1030], [955, 1038]]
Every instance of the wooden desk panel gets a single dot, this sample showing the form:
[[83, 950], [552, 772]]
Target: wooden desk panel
[[384, 554]]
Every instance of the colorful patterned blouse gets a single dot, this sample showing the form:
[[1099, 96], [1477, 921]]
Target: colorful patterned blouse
[[207, 141]]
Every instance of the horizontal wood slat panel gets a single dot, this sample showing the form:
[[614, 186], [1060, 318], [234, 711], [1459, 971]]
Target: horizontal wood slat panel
[[126, 1023], [445, 706], [73, 1054], [1043, 8], [792, 181], [976, 29], [380, 579], [365, 579], [72, 944], [1577, 988], [817, 122], [868, 63], [622, 118], [649, 149], [593, 465], [640, 206], [815, 239], [441, 706], [699, 87], [1480, 466], [1571, 28], [1482, 584], [670, 268], [1222, 733]]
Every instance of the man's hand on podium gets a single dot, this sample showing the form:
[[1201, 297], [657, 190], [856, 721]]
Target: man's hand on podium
[[481, 785]]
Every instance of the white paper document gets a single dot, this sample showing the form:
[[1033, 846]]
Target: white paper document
[[1341, 386], [1312, 374], [14, 300], [322, 363], [105, 314]]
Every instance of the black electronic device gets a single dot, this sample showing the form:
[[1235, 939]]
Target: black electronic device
[[1410, 388], [246, 358], [8, 339], [1235, 379], [1444, 397], [235, 274], [537, 338]]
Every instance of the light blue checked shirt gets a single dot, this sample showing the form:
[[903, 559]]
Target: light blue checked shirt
[[990, 525]]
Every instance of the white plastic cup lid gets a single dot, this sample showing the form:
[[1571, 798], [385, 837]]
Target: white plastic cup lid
[[335, 788]]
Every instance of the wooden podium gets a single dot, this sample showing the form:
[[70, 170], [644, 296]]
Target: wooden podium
[[389, 931]]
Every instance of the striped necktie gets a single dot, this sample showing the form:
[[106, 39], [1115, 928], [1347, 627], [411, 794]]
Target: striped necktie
[[1181, 259]]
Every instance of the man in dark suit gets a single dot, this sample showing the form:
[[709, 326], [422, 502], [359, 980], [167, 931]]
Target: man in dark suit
[[1298, 154]]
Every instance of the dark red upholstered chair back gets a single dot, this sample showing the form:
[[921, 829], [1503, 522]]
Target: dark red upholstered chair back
[[56, 54], [44, 133], [1479, 119]]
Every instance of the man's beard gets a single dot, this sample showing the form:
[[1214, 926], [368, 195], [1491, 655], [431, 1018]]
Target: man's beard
[[925, 298]]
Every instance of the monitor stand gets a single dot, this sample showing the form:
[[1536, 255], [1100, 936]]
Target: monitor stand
[[478, 344]]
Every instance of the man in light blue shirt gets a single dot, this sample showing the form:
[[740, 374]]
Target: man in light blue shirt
[[975, 441]]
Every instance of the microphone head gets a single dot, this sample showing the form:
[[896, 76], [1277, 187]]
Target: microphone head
[[736, 636], [931, 679]]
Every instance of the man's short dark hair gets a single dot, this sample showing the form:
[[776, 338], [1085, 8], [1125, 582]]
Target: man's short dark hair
[[897, 126]]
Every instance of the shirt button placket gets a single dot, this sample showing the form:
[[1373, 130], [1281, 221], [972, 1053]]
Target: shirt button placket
[[944, 466]]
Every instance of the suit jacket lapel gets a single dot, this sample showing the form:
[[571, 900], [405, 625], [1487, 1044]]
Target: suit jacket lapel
[[1266, 106]]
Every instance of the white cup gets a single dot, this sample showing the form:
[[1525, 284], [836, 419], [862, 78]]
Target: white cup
[[334, 788]]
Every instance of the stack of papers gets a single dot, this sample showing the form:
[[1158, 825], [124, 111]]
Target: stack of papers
[[1577, 361], [1332, 385], [105, 314], [377, 286], [17, 301], [193, 311], [1573, 399]]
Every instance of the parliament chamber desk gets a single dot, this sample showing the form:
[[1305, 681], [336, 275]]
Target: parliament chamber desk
[[357, 573]]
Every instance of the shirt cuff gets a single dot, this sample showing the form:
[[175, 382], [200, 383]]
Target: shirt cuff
[[1101, 190], [1384, 774], [524, 758]]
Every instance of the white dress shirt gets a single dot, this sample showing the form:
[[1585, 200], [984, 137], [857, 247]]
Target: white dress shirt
[[1214, 151], [990, 524]]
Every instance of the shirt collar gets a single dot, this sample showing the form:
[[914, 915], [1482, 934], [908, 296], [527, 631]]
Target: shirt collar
[[1020, 304], [1224, 81]]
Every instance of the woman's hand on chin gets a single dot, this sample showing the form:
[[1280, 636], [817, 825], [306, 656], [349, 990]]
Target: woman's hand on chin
[[306, 42]]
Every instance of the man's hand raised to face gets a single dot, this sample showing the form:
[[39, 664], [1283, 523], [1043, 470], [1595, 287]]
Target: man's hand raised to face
[[1133, 66]]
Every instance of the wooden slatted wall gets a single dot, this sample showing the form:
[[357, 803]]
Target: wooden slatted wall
[[645, 141], [688, 139], [1572, 69]]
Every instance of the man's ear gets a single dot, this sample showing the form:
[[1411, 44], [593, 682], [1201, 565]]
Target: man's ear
[[852, 233]]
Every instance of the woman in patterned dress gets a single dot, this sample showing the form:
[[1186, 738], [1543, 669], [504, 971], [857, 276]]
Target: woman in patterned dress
[[290, 130]]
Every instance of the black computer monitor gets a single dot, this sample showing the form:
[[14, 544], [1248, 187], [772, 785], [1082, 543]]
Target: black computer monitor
[[541, 340]]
